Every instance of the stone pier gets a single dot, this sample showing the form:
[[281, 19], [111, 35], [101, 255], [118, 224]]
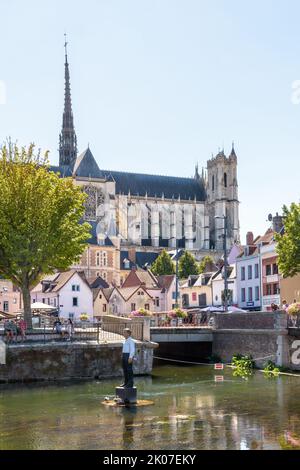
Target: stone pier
[[66, 361]]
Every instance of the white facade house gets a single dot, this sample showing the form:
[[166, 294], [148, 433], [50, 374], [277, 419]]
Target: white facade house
[[69, 292], [217, 286], [249, 281], [196, 291]]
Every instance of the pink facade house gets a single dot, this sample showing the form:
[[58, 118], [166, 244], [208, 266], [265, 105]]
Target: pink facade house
[[10, 297]]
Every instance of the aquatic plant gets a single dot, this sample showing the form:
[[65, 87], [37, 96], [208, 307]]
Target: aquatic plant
[[271, 370], [243, 365], [214, 359]]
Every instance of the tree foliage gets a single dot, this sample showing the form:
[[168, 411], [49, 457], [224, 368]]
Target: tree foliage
[[187, 265], [206, 261], [39, 219], [288, 244], [163, 264]]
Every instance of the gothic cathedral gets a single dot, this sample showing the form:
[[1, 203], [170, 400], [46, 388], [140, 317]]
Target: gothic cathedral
[[153, 211]]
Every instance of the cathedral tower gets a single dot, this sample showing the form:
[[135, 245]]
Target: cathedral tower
[[67, 138], [222, 199]]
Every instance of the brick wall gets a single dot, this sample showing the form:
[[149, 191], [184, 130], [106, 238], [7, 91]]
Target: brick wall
[[249, 320]]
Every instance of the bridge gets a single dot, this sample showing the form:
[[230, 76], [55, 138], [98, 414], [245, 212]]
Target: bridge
[[264, 335], [190, 343], [181, 334]]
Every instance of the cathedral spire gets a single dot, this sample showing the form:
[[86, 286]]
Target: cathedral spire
[[67, 138], [233, 154]]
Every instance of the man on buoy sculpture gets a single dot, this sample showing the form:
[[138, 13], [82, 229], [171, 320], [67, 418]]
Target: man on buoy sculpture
[[127, 392]]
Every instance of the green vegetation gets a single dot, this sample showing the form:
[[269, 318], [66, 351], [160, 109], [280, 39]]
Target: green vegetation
[[39, 220], [214, 359], [271, 370], [163, 264], [243, 365], [288, 244], [187, 265], [206, 261]]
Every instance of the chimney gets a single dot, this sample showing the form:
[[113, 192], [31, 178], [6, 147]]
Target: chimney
[[132, 255], [249, 238], [277, 223]]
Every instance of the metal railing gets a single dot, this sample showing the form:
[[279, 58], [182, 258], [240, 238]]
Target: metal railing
[[193, 319], [99, 332]]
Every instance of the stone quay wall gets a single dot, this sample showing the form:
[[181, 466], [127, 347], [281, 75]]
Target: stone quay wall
[[66, 361], [263, 335]]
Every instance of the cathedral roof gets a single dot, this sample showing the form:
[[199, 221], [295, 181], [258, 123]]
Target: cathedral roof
[[64, 170], [86, 166], [137, 184], [142, 259], [157, 186]]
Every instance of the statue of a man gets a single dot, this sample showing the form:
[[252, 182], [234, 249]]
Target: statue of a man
[[127, 359]]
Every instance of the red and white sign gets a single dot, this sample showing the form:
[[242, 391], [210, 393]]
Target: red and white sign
[[219, 378], [219, 366]]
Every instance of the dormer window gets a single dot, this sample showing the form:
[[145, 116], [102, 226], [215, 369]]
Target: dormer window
[[101, 241], [126, 263]]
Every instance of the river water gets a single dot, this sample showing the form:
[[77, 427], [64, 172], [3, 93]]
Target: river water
[[190, 411]]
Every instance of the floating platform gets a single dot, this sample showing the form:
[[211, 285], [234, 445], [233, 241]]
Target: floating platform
[[126, 397], [117, 404]]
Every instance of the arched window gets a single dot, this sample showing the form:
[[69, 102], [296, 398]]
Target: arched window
[[213, 182], [101, 258], [225, 180]]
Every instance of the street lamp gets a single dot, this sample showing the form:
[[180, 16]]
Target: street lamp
[[224, 217], [176, 276]]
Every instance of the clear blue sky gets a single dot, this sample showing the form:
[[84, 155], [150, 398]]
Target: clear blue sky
[[159, 85]]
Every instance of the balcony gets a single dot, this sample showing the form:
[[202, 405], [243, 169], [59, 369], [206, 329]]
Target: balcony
[[268, 300], [273, 278]]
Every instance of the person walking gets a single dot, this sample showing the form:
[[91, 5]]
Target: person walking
[[14, 330], [70, 329], [8, 332], [57, 326], [23, 328], [128, 353]]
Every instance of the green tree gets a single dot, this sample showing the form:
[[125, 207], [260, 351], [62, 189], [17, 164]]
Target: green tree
[[206, 261], [187, 265], [39, 220], [288, 244], [163, 264]]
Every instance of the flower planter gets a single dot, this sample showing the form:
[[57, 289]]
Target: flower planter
[[294, 319], [293, 311]]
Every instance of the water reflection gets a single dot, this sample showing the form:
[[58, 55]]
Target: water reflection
[[190, 411]]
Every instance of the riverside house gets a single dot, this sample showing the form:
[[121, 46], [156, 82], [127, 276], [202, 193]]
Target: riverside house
[[68, 291]]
